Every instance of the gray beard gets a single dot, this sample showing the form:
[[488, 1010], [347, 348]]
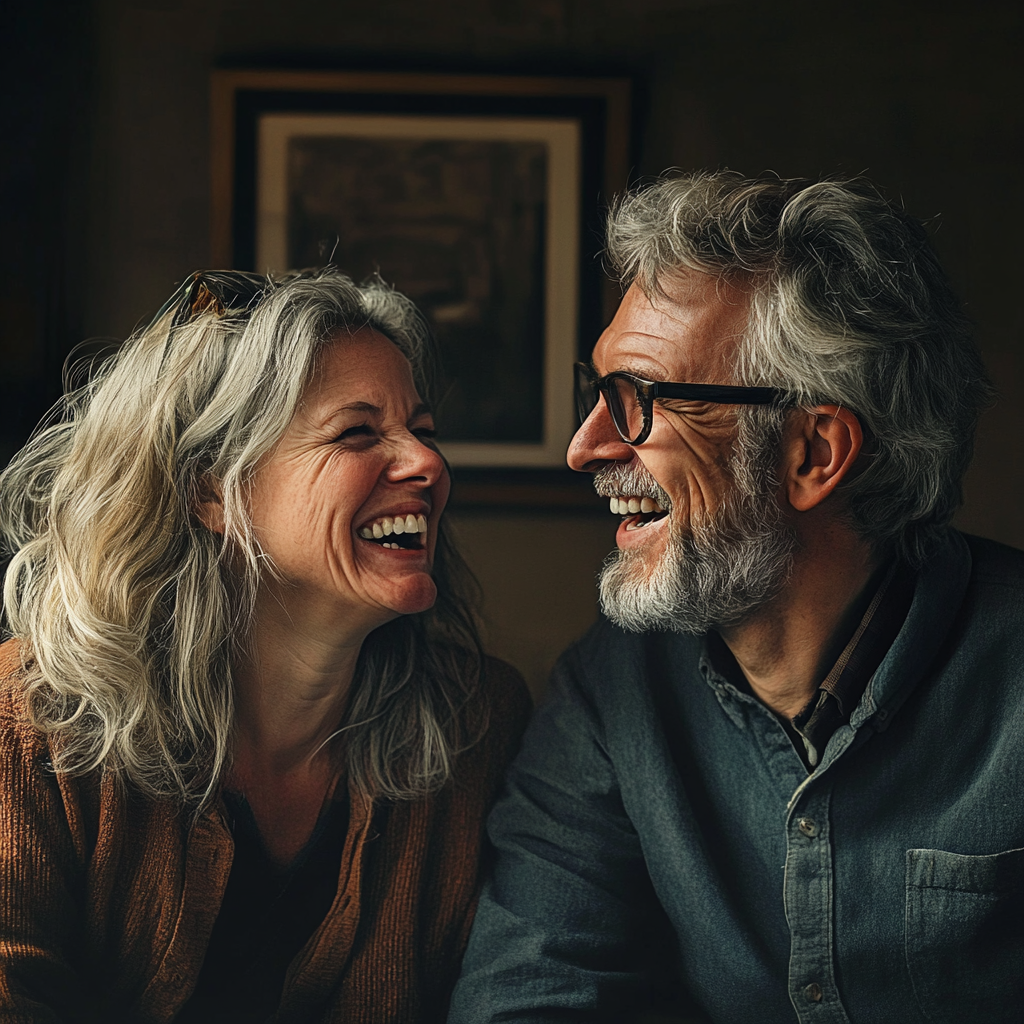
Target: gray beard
[[714, 572]]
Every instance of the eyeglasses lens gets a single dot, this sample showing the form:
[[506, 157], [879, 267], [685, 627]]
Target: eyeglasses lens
[[620, 394], [586, 392], [624, 405]]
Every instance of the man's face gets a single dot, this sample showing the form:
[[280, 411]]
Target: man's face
[[719, 548], [689, 336]]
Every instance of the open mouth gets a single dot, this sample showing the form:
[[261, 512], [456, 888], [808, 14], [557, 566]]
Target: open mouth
[[408, 533], [637, 512]]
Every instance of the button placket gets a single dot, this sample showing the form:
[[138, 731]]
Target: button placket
[[808, 895], [813, 993]]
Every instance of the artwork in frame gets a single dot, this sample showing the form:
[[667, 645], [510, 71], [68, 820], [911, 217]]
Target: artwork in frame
[[478, 197]]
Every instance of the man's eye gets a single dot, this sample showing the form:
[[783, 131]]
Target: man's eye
[[683, 405], [427, 432]]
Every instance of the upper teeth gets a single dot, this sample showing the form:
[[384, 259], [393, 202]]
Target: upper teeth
[[630, 506], [387, 525]]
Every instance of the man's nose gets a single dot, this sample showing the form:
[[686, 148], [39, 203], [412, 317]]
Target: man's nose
[[597, 442]]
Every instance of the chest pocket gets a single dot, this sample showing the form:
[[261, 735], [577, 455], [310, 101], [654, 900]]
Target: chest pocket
[[965, 935]]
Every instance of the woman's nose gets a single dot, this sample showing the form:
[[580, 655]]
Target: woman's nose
[[416, 459]]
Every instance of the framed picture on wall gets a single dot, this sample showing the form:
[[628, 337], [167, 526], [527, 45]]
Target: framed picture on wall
[[479, 197]]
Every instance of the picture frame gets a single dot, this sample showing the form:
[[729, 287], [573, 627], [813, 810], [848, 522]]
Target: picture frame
[[481, 197]]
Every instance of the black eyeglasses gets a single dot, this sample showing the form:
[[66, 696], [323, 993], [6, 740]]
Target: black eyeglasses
[[630, 399]]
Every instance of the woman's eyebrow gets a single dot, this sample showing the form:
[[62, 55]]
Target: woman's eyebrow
[[421, 409], [366, 407], [325, 416]]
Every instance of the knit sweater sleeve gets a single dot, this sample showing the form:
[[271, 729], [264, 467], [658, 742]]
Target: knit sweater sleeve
[[41, 871]]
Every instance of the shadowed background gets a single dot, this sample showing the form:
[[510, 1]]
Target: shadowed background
[[105, 189]]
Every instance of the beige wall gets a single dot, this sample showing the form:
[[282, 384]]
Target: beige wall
[[924, 97], [537, 574]]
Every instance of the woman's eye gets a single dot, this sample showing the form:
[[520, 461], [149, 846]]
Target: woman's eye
[[351, 433]]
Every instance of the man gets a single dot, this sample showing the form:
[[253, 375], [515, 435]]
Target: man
[[781, 780]]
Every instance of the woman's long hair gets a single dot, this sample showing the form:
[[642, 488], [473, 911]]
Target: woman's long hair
[[131, 612]]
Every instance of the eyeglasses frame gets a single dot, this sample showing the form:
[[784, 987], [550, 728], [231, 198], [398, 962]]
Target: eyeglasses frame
[[648, 390]]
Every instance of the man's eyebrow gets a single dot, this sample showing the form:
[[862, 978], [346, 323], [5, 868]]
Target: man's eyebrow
[[423, 409], [643, 372]]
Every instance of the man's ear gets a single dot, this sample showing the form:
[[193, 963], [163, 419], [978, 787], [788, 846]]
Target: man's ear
[[209, 507], [820, 446]]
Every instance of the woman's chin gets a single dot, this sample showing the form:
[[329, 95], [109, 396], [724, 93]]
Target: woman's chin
[[414, 594]]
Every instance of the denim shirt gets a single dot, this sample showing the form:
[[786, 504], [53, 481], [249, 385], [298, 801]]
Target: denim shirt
[[659, 829]]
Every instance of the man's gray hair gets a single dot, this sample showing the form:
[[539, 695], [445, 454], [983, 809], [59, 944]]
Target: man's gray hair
[[849, 307]]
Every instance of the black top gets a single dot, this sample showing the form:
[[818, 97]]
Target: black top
[[267, 916]]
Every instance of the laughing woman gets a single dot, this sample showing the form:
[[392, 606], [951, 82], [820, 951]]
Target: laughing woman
[[247, 737]]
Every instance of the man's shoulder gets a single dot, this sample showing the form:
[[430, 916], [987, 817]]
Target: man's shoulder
[[608, 654], [992, 613], [995, 563], [605, 645], [968, 608]]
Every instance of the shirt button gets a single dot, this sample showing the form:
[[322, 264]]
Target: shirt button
[[809, 827], [813, 993]]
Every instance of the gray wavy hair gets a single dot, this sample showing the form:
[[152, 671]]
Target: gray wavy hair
[[849, 306], [130, 611]]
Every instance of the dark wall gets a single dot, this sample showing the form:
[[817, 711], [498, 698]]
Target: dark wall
[[105, 174], [45, 57], [106, 192]]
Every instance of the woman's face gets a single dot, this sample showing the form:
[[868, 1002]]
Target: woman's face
[[347, 504]]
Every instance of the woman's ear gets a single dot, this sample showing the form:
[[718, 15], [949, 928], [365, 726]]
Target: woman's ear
[[209, 507], [820, 446]]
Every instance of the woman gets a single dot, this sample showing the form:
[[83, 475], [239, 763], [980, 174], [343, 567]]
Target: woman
[[247, 737]]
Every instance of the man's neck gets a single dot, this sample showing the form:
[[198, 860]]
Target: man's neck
[[786, 648]]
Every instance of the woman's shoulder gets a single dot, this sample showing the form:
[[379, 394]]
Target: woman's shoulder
[[10, 659], [13, 709], [499, 714], [494, 721], [19, 738]]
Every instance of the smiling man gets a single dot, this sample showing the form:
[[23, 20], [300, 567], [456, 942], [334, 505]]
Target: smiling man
[[780, 779]]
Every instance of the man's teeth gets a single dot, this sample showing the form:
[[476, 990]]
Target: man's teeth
[[388, 525], [630, 506]]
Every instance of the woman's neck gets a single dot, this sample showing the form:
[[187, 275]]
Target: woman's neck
[[291, 690]]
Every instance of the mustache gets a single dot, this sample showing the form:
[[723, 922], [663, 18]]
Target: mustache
[[632, 479]]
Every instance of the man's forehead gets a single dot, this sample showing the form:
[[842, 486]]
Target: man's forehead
[[692, 327]]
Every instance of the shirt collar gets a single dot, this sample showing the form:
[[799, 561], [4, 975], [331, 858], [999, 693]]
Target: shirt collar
[[841, 690]]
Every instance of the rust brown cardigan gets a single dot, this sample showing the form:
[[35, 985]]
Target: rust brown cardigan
[[107, 900]]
